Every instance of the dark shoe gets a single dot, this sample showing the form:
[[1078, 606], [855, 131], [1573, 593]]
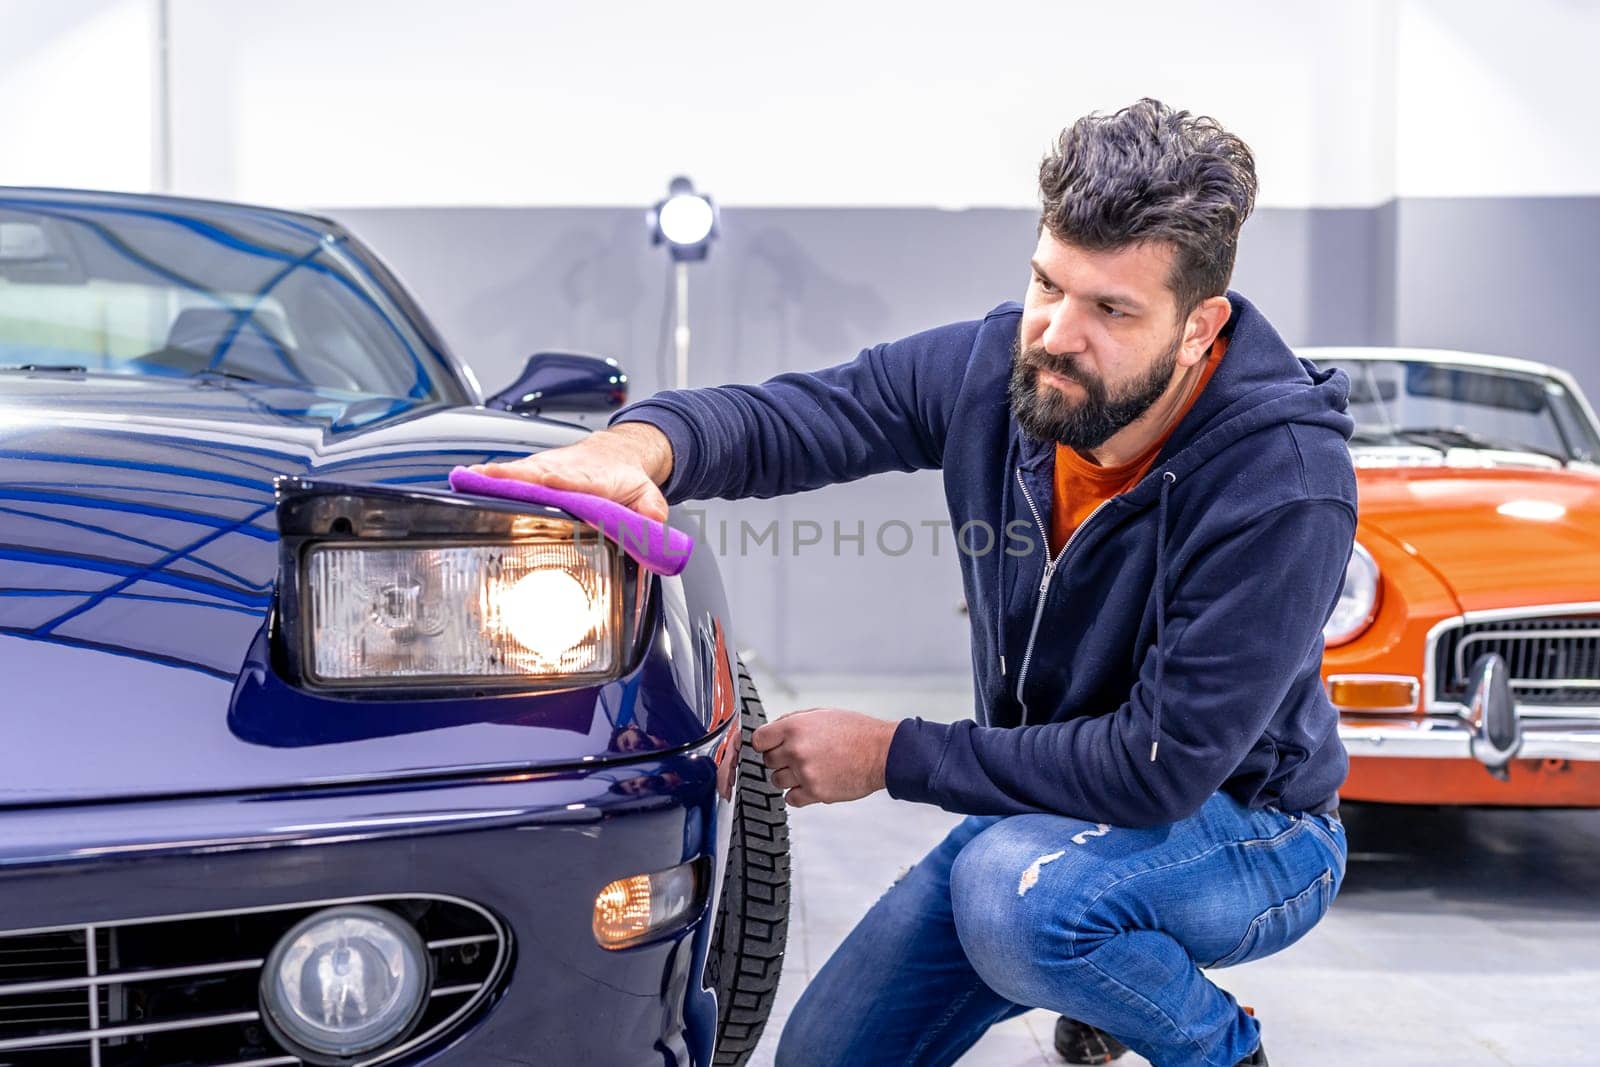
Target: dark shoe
[[1081, 1043]]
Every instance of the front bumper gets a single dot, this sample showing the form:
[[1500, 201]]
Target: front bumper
[[1446, 739], [533, 848], [1489, 728]]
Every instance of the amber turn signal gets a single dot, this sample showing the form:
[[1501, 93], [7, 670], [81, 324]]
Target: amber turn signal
[[631, 910], [1387, 694]]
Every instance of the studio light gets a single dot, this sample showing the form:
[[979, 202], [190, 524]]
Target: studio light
[[686, 222]]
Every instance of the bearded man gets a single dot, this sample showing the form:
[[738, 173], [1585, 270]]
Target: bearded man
[[1152, 769]]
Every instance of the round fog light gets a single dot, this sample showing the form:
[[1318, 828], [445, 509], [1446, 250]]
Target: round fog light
[[345, 981]]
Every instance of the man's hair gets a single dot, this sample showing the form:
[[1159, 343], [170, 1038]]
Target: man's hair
[[1149, 173]]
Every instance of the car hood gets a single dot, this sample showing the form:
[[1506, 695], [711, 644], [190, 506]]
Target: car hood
[[138, 558], [1497, 537]]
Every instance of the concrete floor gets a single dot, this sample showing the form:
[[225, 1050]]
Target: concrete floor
[[1460, 938]]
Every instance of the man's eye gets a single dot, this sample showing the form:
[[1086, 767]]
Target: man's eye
[[1113, 313], [1044, 283]]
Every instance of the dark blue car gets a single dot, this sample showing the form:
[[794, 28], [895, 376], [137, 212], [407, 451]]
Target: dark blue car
[[307, 759]]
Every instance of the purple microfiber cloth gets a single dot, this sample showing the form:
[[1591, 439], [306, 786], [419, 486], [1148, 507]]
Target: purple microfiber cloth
[[655, 545]]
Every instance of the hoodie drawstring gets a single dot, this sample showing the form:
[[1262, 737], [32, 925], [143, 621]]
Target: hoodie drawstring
[[1167, 480]]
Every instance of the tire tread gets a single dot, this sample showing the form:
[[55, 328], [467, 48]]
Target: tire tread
[[747, 946]]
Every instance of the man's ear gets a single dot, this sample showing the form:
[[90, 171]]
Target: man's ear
[[1201, 329]]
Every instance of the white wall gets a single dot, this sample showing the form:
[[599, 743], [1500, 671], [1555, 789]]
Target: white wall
[[418, 102], [837, 102], [1497, 99], [410, 102], [76, 93], [472, 102]]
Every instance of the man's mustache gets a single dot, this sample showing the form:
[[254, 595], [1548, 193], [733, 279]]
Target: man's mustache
[[1061, 366]]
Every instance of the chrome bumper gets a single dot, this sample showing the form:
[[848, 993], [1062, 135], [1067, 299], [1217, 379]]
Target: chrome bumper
[[1447, 740], [1490, 729]]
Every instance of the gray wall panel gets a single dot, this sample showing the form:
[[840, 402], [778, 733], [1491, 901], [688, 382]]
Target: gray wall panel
[[799, 288], [1516, 277]]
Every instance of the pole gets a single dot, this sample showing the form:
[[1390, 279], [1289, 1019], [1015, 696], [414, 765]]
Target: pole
[[161, 124], [681, 334]]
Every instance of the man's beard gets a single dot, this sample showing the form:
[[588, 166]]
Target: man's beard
[[1088, 422]]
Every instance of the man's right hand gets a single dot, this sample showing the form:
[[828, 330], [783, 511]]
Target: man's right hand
[[626, 463]]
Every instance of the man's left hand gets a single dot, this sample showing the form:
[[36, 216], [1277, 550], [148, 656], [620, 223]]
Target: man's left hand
[[825, 755]]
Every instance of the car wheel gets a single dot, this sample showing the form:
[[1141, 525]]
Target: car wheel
[[753, 918]]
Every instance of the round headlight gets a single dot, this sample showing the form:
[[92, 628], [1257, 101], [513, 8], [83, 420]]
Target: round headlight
[[345, 981], [1358, 600]]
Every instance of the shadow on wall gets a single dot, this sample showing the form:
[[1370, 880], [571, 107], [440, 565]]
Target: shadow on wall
[[762, 304], [777, 307], [783, 292], [588, 278]]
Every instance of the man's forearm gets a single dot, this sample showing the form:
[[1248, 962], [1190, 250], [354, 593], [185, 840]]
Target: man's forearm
[[651, 446]]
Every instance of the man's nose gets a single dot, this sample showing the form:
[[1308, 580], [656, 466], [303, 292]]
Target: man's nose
[[1064, 334]]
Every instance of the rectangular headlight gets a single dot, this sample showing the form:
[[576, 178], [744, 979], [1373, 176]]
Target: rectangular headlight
[[476, 614]]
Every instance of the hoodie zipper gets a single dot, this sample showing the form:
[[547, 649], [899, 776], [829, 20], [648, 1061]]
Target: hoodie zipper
[[1050, 566]]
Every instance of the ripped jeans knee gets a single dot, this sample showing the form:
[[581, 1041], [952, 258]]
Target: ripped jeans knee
[[1019, 892]]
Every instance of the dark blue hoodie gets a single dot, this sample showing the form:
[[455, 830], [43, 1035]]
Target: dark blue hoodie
[[1171, 649]]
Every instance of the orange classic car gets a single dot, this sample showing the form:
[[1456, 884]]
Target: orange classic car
[[1464, 653]]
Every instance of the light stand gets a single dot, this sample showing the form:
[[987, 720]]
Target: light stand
[[686, 222], [680, 332]]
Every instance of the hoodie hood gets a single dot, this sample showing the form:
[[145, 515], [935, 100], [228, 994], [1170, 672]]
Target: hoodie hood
[[1259, 384]]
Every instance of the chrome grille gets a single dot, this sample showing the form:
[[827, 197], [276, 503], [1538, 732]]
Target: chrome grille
[[181, 991], [1554, 660]]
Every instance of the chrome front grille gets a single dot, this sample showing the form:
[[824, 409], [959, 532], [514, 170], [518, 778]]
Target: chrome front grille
[[181, 991], [30, 963], [1553, 659]]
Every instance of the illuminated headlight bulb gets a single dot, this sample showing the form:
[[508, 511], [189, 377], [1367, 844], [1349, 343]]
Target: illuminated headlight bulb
[[345, 981], [548, 611]]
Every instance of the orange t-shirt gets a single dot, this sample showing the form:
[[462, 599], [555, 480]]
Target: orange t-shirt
[[1082, 486]]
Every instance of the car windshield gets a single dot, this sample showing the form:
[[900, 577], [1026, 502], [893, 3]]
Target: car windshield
[[241, 297], [1442, 406]]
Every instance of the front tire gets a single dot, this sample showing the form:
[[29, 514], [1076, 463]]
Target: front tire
[[753, 917]]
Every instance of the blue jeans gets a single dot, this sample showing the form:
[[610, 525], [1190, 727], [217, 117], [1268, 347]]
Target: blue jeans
[[1106, 925]]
